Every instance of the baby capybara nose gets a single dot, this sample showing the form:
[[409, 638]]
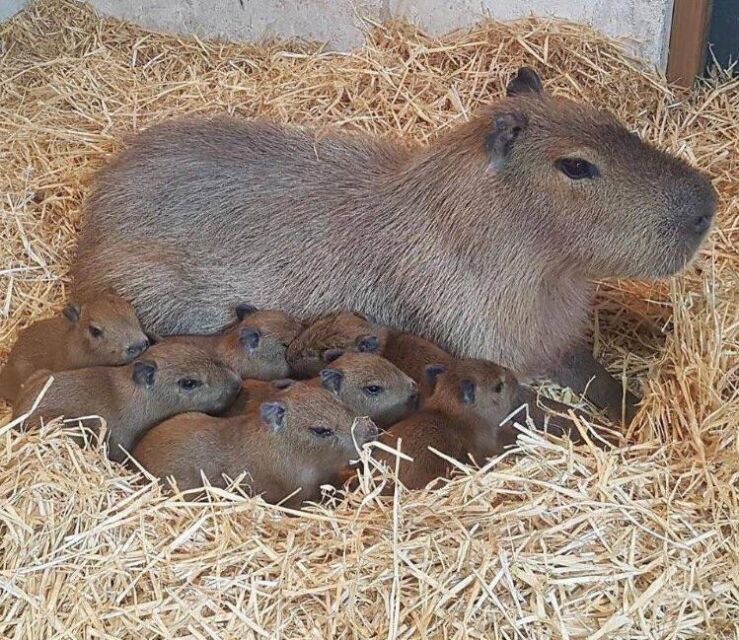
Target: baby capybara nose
[[365, 430], [137, 348]]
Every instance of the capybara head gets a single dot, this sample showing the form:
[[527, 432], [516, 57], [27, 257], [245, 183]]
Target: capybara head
[[260, 341], [107, 327], [330, 337], [310, 423], [371, 386], [599, 197], [179, 377], [478, 388]]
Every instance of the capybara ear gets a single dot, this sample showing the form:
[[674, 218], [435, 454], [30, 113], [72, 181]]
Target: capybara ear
[[72, 312], [506, 128], [332, 354], [526, 80], [432, 373], [144, 373], [273, 415], [243, 310], [331, 379], [467, 391], [250, 338], [284, 383], [368, 344]]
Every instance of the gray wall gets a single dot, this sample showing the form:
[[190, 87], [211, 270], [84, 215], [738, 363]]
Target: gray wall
[[643, 24]]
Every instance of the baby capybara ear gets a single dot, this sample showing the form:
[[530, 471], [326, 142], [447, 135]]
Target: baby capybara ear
[[144, 373], [72, 312], [499, 142], [368, 344], [432, 373], [273, 415], [467, 391], [243, 310], [249, 338], [331, 379], [332, 354], [526, 80]]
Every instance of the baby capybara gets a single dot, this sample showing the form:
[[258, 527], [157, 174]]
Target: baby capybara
[[487, 241], [327, 337], [168, 380], [286, 447], [255, 346], [103, 332], [462, 419]]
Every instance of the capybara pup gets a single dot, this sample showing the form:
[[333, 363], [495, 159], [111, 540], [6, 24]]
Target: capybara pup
[[370, 386], [169, 379], [300, 441], [461, 419], [329, 336], [486, 242], [255, 346], [332, 335], [103, 332]]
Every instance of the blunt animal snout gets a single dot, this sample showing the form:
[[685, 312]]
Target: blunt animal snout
[[365, 430], [696, 202], [136, 349]]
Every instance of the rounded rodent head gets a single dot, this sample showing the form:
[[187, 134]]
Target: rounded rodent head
[[593, 193], [179, 377], [330, 337], [107, 328], [478, 388], [260, 342], [371, 386], [310, 424]]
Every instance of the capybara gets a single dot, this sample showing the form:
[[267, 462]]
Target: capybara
[[169, 379], [486, 241], [462, 419], [255, 346], [366, 383], [300, 441], [327, 337], [103, 332]]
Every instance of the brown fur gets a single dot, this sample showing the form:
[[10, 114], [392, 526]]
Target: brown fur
[[264, 361], [463, 431], [344, 332], [255, 392], [479, 242], [366, 383], [128, 406], [64, 342], [278, 460]]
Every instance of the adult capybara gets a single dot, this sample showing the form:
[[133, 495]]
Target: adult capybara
[[102, 332], [485, 242], [168, 380], [462, 419], [293, 444], [255, 346]]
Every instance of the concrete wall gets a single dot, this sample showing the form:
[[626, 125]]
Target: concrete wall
[[643, 24]]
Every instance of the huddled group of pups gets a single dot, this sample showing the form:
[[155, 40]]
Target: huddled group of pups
[[280, 404]]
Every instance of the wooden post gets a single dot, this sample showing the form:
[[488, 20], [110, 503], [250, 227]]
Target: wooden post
[[688, 40]]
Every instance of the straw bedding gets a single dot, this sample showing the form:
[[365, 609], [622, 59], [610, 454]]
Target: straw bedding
[[637, 542]]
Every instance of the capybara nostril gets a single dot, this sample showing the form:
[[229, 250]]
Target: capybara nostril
[[701, 224]]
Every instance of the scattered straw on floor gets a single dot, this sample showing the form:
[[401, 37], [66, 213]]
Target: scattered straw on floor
[[642, 542]]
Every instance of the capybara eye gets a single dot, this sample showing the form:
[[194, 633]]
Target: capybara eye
[[188, 384], [95, 332], [373, 390], [577, 168], [498, 388], [322, 432]]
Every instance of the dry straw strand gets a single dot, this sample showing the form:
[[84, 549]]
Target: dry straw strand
[[640, 541]]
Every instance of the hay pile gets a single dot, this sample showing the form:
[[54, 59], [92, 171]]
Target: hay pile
[[640, 542]]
